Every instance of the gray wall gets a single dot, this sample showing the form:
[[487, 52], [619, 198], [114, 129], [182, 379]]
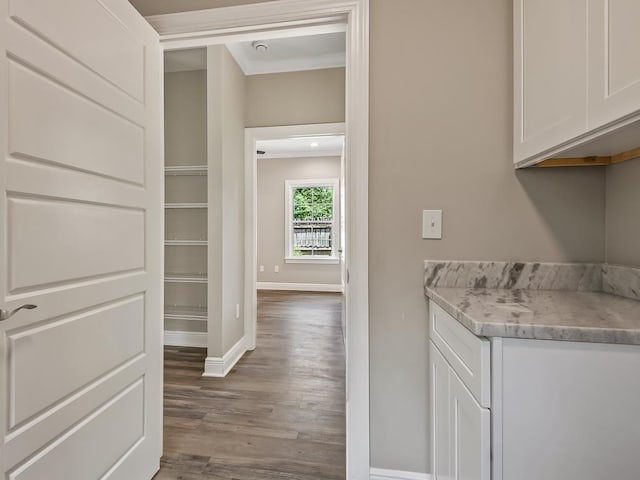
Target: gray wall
[[295, 98], [623, 213], [272, 173], [226, 97], [185, 118], [441, 136], [441, 127]]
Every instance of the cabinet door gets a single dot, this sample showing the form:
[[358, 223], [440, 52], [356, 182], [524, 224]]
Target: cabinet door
[[614, 62], [470, 434], [550, 74], [440, 423]]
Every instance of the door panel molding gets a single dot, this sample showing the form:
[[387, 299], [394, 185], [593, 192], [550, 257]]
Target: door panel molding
[[38, 353], [105, 38], [123, 412], [112, 144], [56, 242]]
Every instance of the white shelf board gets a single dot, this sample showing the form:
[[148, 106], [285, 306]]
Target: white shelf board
[[177, 243], [185, 278], [185, 313], [184, 205], [187, 318], [186, 170]]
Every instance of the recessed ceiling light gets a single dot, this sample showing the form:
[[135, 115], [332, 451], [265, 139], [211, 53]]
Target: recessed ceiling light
[[315, 144]]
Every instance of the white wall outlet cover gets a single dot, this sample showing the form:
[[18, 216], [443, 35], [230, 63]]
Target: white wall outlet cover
[[262, 268], [237, 310], [432, 224], [276, 268]]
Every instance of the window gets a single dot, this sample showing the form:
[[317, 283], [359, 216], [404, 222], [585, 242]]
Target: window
[[311, 221]]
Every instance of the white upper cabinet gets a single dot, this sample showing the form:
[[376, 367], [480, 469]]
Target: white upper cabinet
[[614, 60], [550, 73], [576, 78]]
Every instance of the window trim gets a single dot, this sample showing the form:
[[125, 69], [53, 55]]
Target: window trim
[[333, 259]]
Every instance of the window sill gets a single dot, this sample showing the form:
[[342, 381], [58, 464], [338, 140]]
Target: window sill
[[314, 260]]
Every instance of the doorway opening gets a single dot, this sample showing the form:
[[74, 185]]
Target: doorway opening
[[294, 244], [222, 213], [287, 18]]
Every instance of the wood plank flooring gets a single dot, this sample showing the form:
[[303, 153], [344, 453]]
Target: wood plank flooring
[[279, 414]]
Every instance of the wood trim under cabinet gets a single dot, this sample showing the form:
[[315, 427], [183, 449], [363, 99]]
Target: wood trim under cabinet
[[590, 161]]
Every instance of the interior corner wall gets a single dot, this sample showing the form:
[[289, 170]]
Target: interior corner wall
[[623, 213], [272, 174], [295, 98], [225, 126]]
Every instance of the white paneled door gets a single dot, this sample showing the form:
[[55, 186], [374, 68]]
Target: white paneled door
[[80, 238]]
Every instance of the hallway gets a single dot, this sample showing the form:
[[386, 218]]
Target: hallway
[[279, 414]]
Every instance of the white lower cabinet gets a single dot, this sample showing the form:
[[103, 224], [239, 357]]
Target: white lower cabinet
[[557, 411], [440, 418], [470, 434], [461, 428]]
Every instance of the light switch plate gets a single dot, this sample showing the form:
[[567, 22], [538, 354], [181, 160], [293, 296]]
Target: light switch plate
[[432, 224]]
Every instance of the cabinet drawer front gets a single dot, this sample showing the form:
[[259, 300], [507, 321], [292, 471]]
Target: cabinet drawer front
[[467, 354]]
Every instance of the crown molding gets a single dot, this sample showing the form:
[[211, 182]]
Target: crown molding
[[283, 14]]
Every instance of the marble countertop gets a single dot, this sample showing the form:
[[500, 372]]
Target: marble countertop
[[581, 316]]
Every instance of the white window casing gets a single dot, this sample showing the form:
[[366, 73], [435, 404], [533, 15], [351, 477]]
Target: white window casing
[[289, 257]]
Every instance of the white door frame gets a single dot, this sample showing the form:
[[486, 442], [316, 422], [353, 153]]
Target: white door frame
[[284, 18], [251, 136]]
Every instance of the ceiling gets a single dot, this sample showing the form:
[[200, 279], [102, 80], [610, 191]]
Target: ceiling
[[291, 54], [162, 7], [295, 147]]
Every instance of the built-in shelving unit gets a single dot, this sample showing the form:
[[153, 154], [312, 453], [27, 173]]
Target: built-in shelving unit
[[186, 247]]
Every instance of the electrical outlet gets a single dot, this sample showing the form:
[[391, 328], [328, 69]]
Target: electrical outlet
[[262, 268], [276, 268], [432, 224], [237, 310]]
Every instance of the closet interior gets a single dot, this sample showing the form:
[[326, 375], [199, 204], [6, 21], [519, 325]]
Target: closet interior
[[186, 205]]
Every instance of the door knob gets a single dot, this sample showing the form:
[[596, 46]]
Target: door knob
[[7, 314]]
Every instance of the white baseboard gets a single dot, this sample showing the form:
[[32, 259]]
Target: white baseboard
[[219, 367], [300, 287], [177, 338], [383, 474]]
